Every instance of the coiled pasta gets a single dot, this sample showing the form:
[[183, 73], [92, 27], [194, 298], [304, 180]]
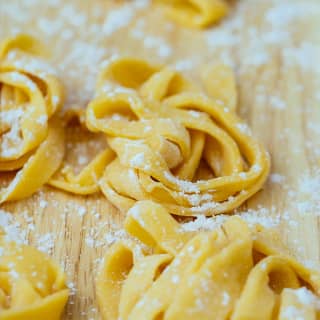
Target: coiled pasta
[[31, 285], [173, 144], [195, 13], [31, 137], [232, 272]]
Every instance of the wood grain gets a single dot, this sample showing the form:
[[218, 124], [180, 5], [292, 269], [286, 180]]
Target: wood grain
[[285, 131]]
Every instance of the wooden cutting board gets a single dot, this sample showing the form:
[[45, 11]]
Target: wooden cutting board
[[274, 48]]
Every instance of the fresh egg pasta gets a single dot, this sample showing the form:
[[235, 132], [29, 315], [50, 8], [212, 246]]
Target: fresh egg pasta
[[195, 13], [31, 137], [174, 144], [86, 181], [234, 272], [31, 285]]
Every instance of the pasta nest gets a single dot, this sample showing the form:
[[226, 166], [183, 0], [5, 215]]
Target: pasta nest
[[30, 136], [172, 143], [31, 285], [233, 272]]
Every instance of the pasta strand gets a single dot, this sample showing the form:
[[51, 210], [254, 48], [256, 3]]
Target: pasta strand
[[195, 13]]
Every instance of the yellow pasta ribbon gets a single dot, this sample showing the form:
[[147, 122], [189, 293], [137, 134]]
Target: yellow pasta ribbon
[[195, 13], [174, 144], [86, 181], [31, 285], [232, 272], [31, 138]]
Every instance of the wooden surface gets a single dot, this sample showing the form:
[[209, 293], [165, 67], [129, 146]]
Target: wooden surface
[[274, 48]]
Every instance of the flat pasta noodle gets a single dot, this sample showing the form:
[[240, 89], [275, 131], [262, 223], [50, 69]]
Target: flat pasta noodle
[[31, 135], [47, 156], [174, 144], [195, 13], [233, 272], [87, 180], [31, 285]]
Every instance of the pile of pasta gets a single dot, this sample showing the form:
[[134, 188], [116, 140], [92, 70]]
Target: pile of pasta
[[31, 285], [167, 145], [168, 141], [172, 143], [31, 137], [195, 13], [233, 272]]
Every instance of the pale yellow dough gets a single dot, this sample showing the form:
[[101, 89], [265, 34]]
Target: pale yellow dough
[[31, 136], [195, 13], [87, 180], [173, 143], [32, 287], [234, 272]]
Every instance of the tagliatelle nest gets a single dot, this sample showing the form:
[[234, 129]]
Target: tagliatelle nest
[[31, 136], [173, 144], [232, 272]]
